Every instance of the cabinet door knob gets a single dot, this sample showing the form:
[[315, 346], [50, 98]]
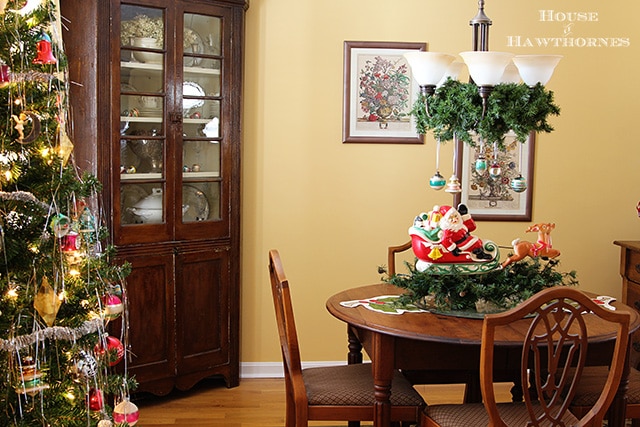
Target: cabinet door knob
[[637, 268], [175, 117]]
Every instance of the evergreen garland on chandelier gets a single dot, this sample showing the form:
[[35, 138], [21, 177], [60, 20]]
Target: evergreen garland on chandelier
[[455, 110]]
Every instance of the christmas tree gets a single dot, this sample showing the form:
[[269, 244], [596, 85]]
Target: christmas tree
[[62, 299]]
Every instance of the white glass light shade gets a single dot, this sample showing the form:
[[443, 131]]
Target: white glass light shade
[[536, 68], [511, 74], [486, 68], [452, 71], [428, 67]]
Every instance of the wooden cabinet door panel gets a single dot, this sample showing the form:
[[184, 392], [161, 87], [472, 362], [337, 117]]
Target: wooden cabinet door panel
[[151, 317], [202, 304]]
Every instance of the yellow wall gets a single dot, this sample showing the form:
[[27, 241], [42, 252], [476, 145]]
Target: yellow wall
[[332, 208]]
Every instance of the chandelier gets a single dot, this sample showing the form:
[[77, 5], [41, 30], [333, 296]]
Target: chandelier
[[505, 95]]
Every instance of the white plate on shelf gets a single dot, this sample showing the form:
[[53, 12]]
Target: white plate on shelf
[[191, 89], [196, 203]]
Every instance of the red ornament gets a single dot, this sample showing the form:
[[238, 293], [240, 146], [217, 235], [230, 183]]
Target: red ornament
[[96, 399], [112, 343], [45, 54]]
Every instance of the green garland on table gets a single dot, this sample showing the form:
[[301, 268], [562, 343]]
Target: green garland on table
[[455, 110], [503, 287]]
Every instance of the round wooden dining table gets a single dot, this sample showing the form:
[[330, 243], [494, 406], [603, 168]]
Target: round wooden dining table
[[445, 348]]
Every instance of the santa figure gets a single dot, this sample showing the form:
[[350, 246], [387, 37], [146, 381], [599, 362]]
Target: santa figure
[[456, 225]]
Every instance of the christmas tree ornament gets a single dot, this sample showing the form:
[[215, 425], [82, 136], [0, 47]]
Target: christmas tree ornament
[[437, 181], [69, 242], [95, 399], [30, 378], [495, 170], [65, 146], [45, 54], [85, 366], [47, 303], [126, 412], [105, 423], [112, 307], [29, 7], [5, 74], [519, 184], [481, 163], [60, 225], [30, 120], [453, 186], [111, 348]]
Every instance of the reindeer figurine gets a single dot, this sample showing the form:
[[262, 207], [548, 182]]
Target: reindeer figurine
[[541, 248]]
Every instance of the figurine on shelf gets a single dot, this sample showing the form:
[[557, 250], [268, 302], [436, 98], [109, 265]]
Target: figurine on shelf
[[542, 248], [442, 238]]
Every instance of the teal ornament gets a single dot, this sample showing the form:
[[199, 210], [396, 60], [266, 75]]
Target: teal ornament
[[481, 164], [437, 181], [495, 171], [519, 184]]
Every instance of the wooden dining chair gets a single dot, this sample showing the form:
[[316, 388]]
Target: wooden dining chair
[[391, 256], [554, 337], [335, 393], [592, 381]]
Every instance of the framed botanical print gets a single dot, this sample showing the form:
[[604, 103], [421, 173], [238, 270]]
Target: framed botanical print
[[379, 93]]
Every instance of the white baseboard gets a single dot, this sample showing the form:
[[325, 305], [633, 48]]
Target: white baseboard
[[274, 369]]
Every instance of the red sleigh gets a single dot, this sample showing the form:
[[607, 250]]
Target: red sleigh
[[432, 255]]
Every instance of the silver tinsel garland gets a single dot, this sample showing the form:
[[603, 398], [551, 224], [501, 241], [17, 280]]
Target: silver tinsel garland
[[54, 332], [22, 196]]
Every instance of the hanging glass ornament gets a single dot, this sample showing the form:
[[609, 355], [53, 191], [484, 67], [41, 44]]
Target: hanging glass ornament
[[47, 303], [85, 366], [111, 348], [31, 381], [126, 412], [454, 185], [481, 163], [112, 307], [60, 225], [105, 423], [437, 181], [45, 54], [495, 171], [519, 184], [95, 399]]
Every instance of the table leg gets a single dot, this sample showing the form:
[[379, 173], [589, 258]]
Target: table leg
[[355, 348], [383, 362]]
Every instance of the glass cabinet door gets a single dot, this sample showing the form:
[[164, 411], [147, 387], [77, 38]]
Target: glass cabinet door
[[171, 155], [143, 143], [201, 118]]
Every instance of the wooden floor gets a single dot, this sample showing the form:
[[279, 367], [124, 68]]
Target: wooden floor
[[256, 402]]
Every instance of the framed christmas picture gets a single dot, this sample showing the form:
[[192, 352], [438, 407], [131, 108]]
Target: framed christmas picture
[[379, 93], [497, 186]]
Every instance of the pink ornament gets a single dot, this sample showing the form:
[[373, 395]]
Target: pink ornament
[[126, 412], [112, 307], [112, 343]]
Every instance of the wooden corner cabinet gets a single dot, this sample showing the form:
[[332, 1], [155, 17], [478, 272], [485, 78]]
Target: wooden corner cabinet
[[166, 114], [630, 272]]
